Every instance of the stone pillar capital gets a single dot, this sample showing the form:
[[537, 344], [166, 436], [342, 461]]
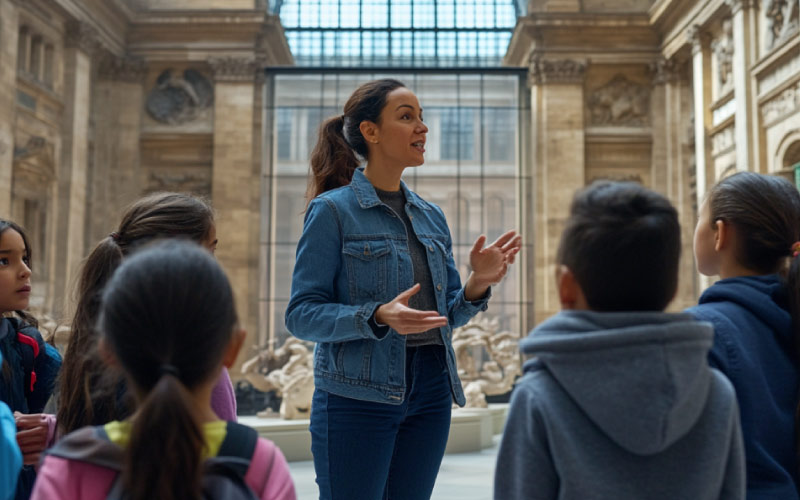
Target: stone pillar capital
[[82, 36], [125, 69], [665, 70], [235, 69], [698, 37], [564, 71]]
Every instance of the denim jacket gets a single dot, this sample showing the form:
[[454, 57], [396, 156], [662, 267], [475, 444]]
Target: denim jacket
[[353, 257]]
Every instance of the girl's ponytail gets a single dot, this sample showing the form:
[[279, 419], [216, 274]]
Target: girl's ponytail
[[333, 160], [341, 146], [165, 426]]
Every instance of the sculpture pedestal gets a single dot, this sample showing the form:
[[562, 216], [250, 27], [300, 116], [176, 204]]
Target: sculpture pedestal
[[471, 429]]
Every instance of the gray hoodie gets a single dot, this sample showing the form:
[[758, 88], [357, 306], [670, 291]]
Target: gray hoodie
[[621, 406]]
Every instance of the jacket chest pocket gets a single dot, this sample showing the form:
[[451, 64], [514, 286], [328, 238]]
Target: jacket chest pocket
[[367, 263]]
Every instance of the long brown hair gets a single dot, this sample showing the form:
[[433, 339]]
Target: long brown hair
[[336, 154], [89, 392], [766, 211], [168, 316]]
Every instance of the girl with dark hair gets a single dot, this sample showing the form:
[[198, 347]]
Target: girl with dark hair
[[375, 285], [29, 365], [748, 234], [167, 318], [90, 393]]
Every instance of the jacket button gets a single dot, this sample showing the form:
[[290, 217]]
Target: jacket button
[[430, 248], [439, 287]]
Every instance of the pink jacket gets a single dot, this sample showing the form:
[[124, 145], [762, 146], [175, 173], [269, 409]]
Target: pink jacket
[[61, 479]]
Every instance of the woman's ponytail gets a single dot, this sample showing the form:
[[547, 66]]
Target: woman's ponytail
[[165, 426], [333, 160]]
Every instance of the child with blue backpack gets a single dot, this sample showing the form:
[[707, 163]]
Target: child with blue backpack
[[30, 365], [167, 319]]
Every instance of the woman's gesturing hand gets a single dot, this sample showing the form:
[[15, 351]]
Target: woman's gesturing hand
[[405, 320], [490, 264]]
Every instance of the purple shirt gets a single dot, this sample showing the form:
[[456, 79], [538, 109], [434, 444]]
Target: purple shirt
[[223, 400]]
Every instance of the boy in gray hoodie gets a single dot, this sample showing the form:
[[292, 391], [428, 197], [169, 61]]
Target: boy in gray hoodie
[[618, 401]]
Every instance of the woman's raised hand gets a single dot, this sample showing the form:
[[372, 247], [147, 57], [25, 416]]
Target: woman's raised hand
[[490, 264], [405, 320]]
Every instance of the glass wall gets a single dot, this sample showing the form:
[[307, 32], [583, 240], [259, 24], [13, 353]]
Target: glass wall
[[472, 168]]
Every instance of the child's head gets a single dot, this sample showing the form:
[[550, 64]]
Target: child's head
[[159, 215], [747, 225], [620, 249], [15, 270], [168, 318]]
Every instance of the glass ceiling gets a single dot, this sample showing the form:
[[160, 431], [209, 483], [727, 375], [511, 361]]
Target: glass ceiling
[[398, 33]]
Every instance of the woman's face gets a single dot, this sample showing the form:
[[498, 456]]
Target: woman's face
[[15, 272], [399, 138]]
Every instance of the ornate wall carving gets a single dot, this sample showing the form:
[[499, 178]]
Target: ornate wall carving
[[196, 182], [782, 20], [620, 102], [723, 51], [178, 99], [125, 69], [667, 71], [784, 103], [555, 70], [722, 141]]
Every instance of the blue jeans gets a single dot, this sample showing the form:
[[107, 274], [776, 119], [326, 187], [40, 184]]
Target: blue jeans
[[365, 450]]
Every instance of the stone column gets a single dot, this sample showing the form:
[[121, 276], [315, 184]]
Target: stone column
[[557, 107], [9, 31], [235, 183], [671, 105], [745, 41], [701, 87], [81, 44], [119, 101]]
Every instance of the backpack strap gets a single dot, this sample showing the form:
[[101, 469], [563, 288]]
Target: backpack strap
[[236, 449], [90, 445]]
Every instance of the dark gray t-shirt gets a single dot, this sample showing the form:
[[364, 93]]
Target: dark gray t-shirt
[[425, 299]]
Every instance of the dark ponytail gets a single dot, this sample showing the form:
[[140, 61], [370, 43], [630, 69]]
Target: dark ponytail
[[168, 316], [765, 209], [341, 146], [89, 392]]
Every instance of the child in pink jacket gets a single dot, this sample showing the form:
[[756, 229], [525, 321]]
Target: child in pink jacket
[[167, 318]]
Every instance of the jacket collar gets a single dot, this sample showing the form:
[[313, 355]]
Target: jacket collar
[[368, 198]]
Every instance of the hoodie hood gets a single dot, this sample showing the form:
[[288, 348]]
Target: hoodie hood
[[641, 377], [764, 297]]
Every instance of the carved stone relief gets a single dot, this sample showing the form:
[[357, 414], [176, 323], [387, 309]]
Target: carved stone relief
[[667, 71], [723, 51], [126, 69], [620, 103], [196, 182], [783, 104], [83, 36], [782, 20], [178, 99], [722, 141], [231, 69]]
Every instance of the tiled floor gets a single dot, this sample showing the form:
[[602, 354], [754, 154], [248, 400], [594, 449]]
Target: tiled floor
[[463, 476]]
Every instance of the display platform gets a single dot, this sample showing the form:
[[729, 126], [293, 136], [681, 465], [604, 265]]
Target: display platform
[[471, 430]]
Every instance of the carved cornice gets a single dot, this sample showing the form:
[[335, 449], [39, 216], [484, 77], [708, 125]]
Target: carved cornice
[[82, 36], [544, 71], [235, 69], [665, 71], [125, 69]]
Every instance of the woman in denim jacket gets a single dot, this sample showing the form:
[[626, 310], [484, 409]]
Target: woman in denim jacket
[[375, 286]]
